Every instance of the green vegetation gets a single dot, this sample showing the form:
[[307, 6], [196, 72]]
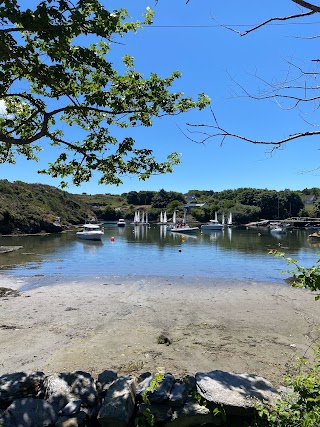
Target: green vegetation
[[300, 407], [30, 208], [58, 85]]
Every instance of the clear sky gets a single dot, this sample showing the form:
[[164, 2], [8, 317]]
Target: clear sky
[[214, 60]]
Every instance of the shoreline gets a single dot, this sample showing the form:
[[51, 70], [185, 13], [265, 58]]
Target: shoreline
[[114, 323]]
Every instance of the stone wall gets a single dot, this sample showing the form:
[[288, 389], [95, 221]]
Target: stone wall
[[111, 400]]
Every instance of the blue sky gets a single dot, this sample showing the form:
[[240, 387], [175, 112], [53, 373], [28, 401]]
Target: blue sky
[[212, 59]]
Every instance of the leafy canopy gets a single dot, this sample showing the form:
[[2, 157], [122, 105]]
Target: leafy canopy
[[57, 85]]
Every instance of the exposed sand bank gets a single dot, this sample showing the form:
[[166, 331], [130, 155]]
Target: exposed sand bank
[[240, 326]]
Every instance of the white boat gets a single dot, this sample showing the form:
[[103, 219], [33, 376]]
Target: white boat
[[121, 222], [90, 232], [163, 218], [229, 220], [222, 219], [140, 218], [213, 224], [174, 217], [183, 227]]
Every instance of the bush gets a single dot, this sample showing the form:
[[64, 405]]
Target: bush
[[301, 406]]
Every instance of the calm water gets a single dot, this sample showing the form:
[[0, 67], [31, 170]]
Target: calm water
[[233, 253]]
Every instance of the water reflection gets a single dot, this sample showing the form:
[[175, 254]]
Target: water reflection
[[232, 252]]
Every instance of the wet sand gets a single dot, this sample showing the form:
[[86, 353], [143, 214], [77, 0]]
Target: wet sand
[[114, 323]]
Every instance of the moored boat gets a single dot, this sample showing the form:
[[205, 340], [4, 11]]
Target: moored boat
[[90, 232], [213, 224], [182, 227], [121, 222]]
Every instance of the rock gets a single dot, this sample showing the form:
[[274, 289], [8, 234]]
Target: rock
[[18, 385], [82, 386], [29, 412], [105, 379], [119, 403], [192, 415], [71, 408], [77, 420], [161, 413], [142, 385], [237, 390], [57, 392], [162, 393], [178, 394], [7, 292], [164, 339]]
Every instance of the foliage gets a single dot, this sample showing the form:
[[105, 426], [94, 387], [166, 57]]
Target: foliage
[[301, 406], [140, 198], [304, 277], [162, 198], [59, 88], [29, 207], [146, 418]]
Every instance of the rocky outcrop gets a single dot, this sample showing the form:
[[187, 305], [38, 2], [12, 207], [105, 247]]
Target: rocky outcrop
[[76, 399]]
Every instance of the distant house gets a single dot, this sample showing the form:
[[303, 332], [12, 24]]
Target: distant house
[[190, 199], [190, 206], [309, 199]]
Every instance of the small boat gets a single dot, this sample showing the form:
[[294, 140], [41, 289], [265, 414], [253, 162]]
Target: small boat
[[121, 222], [140, 219], [213, 224], [90, 232], [229, 221], [183, 227]]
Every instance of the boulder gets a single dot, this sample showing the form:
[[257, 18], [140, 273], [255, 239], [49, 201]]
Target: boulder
[[118, 406], [18, 385], [29, 412], [236, 390]]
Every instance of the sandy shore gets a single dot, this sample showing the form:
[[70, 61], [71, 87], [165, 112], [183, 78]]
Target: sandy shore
[[240, 326]]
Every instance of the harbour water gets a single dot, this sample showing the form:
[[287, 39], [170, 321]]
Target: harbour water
[[155, 251]]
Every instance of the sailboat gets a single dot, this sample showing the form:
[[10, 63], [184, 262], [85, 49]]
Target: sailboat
[[165, 217], [229, 221], [222, 219], [184, 227], [161, 217], [213, 224], [174, 217], [140, 218]]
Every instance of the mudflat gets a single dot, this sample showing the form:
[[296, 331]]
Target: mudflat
[[117, 323]]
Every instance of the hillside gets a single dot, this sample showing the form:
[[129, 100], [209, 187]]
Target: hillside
[[33, 208]]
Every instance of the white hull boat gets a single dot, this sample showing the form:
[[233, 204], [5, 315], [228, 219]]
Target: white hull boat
[[212, 225], [90, 232], [183, 228], [121, 222]]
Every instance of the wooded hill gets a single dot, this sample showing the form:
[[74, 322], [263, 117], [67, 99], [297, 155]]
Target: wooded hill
[[32, 208]]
